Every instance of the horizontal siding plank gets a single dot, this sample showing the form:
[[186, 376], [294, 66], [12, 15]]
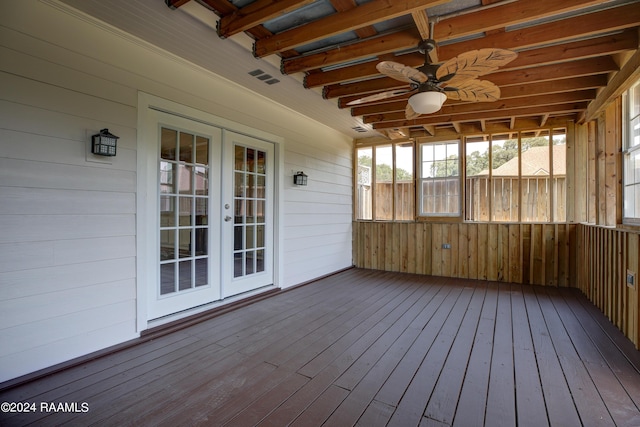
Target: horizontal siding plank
[[24, 173], [47, 149], [18, 284], [50, 305], [21, 90], [17, 364], [33, 255], [26, 337], [30, 228], [45, 66], [54, 201], [39, 121]]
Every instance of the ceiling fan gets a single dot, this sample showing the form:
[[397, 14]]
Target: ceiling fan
[[454, 79]]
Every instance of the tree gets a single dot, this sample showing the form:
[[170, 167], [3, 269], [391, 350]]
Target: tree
[[384, 172]]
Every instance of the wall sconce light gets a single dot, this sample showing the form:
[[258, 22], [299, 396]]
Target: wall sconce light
[[104, 143], [300, 178]]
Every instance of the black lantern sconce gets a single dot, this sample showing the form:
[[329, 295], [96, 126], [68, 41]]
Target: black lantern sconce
[[300, 178], [104, 143]]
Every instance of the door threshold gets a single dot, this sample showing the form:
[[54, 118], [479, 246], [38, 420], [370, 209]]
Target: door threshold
[[175, 322]]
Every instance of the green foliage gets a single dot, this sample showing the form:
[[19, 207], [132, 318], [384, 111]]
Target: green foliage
[[384, 172]]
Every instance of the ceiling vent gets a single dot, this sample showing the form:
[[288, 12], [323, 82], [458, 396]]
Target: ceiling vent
[[359, 129], [261, 75]]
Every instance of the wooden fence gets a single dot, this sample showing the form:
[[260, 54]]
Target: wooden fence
[[539, 195], [442, 195]]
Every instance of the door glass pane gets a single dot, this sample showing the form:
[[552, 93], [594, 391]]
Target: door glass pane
[[249, 235], [167, 211], [185, 175], [202, 272], [201, 241], [202, 211], [169, 138], [186, 147], [249, 205], [261, 163], [251, 160], [186, 211], [239, 184], [260, 260], [167, 245], [185, 243], [167, 178], [202, 150], [184, 274], [239, 158], [167, 278], [184, 170], [201, 180]]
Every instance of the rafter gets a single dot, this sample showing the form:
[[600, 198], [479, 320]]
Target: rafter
[[524, 91], [605, 45], [255, 14], [367, 14], [407, 40], [558, 98], [489, 115], [583, 67], [629, 73]]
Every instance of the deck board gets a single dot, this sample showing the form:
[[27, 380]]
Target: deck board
[[366, 348]]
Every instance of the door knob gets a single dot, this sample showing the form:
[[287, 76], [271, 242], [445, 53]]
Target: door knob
[[227, 218]]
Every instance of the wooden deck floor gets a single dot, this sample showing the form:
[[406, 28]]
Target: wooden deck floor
[[366, 348]]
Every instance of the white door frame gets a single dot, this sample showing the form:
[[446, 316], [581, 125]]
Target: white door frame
[[147, 185]]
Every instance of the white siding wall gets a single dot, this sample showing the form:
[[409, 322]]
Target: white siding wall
[[68, 220]]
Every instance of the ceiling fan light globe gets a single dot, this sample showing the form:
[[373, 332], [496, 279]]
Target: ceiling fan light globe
[[427, 102]]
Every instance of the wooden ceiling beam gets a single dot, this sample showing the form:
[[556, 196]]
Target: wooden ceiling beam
[[583, 67], [489, 115], [365, 49], [406, 40], [343, 6], [366, 14], [605, 45], [629, 73], [255, 14], [506, 15], [525, 90], [480, 107]]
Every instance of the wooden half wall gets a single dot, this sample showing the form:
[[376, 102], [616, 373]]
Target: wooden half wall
[[605, 256], [520, 253]]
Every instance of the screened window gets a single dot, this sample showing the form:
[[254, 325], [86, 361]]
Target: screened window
[[631, 135], [516, 177], [385, 188], [440, 178]]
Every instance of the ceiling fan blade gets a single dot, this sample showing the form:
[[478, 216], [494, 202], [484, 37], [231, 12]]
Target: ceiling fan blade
[[380, 96], [474, 91], [401, 72], [472, 64], [410, 113]]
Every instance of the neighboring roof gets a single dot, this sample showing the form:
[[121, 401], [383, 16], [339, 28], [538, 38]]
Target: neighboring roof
[[535, 161]]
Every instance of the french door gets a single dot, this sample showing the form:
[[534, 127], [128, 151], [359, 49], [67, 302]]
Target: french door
[[213, 215], [248, 229]]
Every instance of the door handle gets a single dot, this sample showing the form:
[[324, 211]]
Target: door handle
[[227, 218]]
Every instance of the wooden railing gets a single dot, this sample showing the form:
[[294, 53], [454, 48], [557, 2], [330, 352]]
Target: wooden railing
[[605, 255]]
